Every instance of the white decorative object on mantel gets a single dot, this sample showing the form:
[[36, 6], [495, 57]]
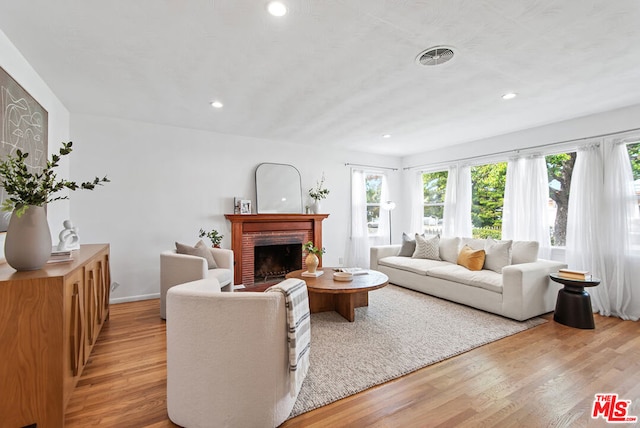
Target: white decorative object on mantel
[[69, 239]]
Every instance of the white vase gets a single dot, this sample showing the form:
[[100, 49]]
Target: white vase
[[28, 242], [316, 206]]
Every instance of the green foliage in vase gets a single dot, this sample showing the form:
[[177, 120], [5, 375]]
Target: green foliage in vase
[[319, 192], [26, 188], [311, 249], [213, 235]]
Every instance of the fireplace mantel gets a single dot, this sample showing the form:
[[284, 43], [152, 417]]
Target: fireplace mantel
[[252, 225]]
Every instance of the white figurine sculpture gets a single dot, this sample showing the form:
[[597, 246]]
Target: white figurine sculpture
[[69, 239]]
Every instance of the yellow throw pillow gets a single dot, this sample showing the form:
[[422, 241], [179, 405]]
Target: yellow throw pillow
[[470, 258]]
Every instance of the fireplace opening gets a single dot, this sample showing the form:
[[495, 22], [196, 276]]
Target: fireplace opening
[[273, 262]]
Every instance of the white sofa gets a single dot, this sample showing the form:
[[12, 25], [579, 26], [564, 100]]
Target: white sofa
[[520, 291], [227, 357], [180, 268]]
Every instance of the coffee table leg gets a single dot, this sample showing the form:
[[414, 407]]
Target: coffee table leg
[[346, 304]]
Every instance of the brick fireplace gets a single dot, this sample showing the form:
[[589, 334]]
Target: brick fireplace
[[274, 241]]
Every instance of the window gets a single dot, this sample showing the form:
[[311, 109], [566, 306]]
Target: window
[[559, 170], [487, 199], [434, 185], [373, 185], [634, 156]]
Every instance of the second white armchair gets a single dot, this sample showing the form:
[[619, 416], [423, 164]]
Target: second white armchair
[[180, 268]]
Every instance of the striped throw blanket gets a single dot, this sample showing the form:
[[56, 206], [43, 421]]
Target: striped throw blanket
[[298, 328]]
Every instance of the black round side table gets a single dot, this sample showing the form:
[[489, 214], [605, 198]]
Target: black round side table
[[573, 307]]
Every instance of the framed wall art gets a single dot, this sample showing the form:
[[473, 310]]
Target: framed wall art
[[24, 126]]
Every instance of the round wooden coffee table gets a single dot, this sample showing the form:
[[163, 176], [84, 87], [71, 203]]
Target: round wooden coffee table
[[326, 294]]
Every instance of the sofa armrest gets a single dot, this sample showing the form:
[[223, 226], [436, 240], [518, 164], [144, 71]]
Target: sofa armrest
[[378, 252], [527, 290], [223, 258]]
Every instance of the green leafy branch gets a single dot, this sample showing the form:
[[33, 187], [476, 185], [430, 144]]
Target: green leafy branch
[[25, 188], [311, 249]]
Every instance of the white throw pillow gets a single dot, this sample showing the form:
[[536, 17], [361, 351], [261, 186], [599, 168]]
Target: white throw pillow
[[449, 249], [427, 248], [498, 254], [525, 252]]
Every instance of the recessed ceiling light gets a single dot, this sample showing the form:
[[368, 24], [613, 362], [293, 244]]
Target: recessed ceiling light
[[216, 104], [276, 8], [386, 136], [509, 96]]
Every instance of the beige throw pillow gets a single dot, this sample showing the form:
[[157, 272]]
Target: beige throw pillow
[[427, 248], [200, 250]]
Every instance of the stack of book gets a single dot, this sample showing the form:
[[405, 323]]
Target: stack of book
[[581, 275], [59, 256]]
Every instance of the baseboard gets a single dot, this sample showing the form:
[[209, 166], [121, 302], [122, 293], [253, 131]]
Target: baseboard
[[134, 298]]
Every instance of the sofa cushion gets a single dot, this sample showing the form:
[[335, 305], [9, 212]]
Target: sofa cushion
[[470, 258], [475, 244], [200, 250], [408, 246], [427, 248], [524, 252], [419, 266], [486, 279], [498, 254], [449, 248], [222, 275]]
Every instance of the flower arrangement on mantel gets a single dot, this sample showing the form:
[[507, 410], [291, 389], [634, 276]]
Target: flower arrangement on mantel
[[311, 249], [25, 188], [319, 192], [213, 235]]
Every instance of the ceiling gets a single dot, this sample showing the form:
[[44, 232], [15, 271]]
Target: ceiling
[[335, 73]]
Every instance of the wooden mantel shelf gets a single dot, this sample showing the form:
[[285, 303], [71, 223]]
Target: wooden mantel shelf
[[262, 218], [252, 224]]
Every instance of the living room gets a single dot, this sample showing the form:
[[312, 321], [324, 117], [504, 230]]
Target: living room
[[168, 181]]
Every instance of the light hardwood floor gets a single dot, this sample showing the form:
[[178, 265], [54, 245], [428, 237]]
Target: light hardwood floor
[[543, 377]]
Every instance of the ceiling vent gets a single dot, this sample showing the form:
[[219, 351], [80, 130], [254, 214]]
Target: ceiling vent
[[434, 56]]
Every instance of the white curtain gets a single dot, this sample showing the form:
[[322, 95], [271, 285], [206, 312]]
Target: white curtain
[[417, 204], [583, 238], [526, 198], [457, 202], [619, 292], [360, 242], [357, 246]]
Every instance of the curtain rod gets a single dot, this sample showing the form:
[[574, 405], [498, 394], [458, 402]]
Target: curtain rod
[[371, 166], [557, 143]]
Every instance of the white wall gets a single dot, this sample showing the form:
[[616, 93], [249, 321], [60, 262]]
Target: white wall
[[168, 182], [583, 127], [58, 117]]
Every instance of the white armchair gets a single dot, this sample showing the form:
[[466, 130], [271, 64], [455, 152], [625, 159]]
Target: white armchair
[[180, 268], [227, 358]]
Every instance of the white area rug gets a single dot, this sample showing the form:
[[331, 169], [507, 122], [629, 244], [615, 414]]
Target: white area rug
[[399, 332]]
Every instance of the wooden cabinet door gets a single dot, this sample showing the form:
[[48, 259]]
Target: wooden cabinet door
[[74, 350], [92, 296]]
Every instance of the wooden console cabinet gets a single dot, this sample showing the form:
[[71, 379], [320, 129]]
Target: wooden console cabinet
[[49, 321]]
